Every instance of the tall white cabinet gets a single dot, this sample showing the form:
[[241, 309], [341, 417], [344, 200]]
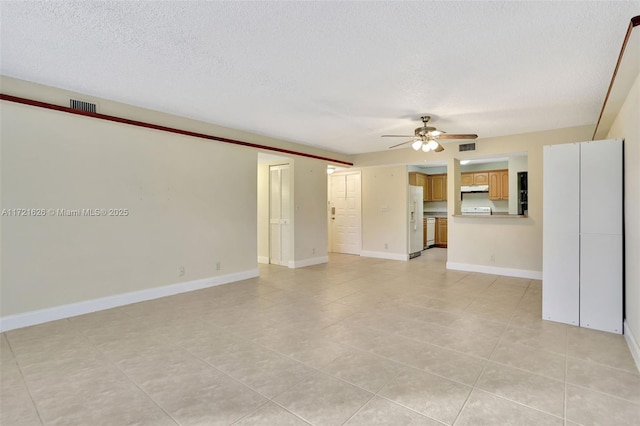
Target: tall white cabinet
[[582, 234]]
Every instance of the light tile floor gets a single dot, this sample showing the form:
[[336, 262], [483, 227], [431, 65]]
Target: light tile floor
[[357, 341]]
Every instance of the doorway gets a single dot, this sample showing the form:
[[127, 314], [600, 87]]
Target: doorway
[[345, 213]]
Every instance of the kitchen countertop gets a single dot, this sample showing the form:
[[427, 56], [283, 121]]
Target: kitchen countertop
[[492, 216]]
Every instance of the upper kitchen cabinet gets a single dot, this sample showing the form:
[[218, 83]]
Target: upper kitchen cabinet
[[474, 178], [438, 188], [499, 185], [420, 179], [413, 178], [481, 178]]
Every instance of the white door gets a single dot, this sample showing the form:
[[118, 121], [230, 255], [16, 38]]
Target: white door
[[561, 234], [345, 214], [279, 215], [601, 242]]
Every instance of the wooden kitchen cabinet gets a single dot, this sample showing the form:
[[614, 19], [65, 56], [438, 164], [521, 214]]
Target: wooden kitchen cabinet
[[474, 178], [504, 176], [420, 179], [499, 185], [441, 232], [481, 178], [423, 181], [413, 178], [429, 191], [438, 188]]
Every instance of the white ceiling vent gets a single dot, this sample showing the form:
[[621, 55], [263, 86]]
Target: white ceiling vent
[[467, 147], [83, 106]]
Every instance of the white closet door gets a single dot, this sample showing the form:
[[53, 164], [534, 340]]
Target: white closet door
[[601, 282], [279, 215], [601, 187], [561, 234], [601, 235]]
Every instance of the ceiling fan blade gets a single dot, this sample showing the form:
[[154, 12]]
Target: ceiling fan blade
[[397, 136], [409, 141], [469, 136], [439, 148]]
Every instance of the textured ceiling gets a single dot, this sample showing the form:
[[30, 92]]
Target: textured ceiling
[[330, 74]]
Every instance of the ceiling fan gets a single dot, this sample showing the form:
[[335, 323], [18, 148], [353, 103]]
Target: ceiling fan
[[426, 137]]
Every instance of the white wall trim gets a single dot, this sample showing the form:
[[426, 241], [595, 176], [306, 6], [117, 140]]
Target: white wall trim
[[632, 342], [11, 322], [384, 255], [308, 262], [263, 259], [509, 272]]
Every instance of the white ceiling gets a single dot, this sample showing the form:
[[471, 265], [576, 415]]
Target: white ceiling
[[336, 75]]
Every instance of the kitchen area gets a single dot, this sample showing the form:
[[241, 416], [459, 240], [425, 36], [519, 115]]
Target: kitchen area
[[495, 188], [434, 205]]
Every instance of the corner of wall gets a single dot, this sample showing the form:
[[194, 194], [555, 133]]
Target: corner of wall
[[632, 342]]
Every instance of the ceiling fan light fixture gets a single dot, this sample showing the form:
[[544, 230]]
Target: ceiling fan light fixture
[[426, 137]]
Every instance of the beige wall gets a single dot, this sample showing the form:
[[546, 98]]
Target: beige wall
[[516, 244], [384, 211], [191, 203], [627, 126], [21, 88], [310, 211]]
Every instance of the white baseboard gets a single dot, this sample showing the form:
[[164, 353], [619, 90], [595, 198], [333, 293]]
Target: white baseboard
[[384, 255], [632, 342], [308, 262], [509, 272], [11, 322], [263, 259]]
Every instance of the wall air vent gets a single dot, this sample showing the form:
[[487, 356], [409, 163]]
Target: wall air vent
[[83, 106], [467, 147]]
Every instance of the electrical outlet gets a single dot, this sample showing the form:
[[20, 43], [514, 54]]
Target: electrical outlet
[[181, 271], [217, 266], [386, 246], [493, 258], [313, 250]]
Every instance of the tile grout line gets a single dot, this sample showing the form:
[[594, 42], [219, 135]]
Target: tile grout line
[[519, 403], [24, 380], [359, 409], [604, 394], [484, 368], [114, 364]]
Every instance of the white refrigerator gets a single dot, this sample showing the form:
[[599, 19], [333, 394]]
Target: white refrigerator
[[416, 225]]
